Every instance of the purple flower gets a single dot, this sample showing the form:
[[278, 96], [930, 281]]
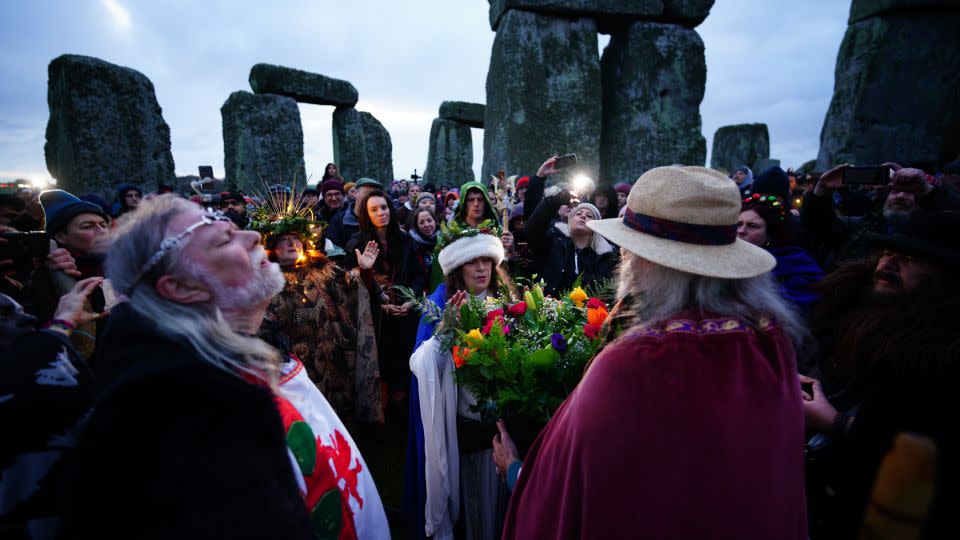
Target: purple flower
[[559, 343]]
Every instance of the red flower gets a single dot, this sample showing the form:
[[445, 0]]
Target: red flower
[[461, 355], [591, 331], [595, 303], [495, 314], [518, 309]]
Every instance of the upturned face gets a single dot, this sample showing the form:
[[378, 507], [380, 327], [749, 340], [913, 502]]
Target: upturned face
[[379, 211], [227, 263], [477, 274]]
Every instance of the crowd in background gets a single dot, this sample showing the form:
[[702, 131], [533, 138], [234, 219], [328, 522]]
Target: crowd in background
[[147, 340]]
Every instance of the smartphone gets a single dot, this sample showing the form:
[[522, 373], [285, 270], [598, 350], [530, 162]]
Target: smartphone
[[867, 176], [206, 171], [565, 161]]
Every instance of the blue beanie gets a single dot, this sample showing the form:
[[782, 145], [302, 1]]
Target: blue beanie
[[59, 207]]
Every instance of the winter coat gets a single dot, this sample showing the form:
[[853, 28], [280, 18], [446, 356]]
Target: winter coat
[[796, 273], [417, 261], [555, 256], [343, 226], [178, 448], [47, 390]]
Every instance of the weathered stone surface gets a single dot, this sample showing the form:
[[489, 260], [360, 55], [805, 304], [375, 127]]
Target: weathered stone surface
[[450, 158], [808, 167], [302, 86], [861, 9], [597, 9], [761, 165], [470, 114], [737, 145], [689, 13], [361, 146], [653, 82], [105, 128], [543, 94], [262, 140], [895, 92]]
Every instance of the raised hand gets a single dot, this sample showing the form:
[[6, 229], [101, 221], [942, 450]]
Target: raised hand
[[548, 168], [368, 258], [831, 179], [70, 307]]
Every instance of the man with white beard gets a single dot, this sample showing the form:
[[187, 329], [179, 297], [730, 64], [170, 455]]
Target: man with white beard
[[189, 436]]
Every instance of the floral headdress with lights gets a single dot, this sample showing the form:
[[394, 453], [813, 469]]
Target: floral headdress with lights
[[283, 212]]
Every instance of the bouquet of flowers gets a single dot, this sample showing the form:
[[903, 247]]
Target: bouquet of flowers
[[522, 356]]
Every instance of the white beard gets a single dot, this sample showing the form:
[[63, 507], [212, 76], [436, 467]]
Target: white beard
[[267, 282]]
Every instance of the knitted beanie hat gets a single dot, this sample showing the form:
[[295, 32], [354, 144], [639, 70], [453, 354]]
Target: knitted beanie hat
[[59, 207]]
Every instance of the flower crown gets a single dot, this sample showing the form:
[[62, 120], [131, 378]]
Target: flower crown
[[770, 201], [283, 212], [453, 231]]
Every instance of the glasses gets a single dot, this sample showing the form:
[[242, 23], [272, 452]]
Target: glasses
[[176, 243]]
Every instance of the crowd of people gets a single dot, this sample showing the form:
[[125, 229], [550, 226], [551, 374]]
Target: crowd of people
[[193, 367]]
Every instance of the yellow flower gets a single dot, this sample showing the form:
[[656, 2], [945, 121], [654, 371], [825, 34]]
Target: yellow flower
[[578, 297], [474, 338]]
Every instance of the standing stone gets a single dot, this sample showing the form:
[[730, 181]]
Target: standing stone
[[470, 114], [262, 141], [653, 81], [105, 128], [762, 165], [361, 146], [689, 13], [302, 86], [738, 145], [895, 91], [596, 9], [543, 94], [450, 159], [861, 9]]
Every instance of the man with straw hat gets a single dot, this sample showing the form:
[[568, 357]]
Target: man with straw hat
[[689, 423]]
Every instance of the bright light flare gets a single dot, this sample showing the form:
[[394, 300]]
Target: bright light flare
[[582, 183], [119, 13]]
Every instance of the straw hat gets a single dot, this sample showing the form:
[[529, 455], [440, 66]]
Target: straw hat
[[686, 218]]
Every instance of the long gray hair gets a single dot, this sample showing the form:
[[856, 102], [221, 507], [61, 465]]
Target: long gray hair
[[661, 292], [202, 325]]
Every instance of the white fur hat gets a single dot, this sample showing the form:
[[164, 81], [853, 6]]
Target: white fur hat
[[467, 248]]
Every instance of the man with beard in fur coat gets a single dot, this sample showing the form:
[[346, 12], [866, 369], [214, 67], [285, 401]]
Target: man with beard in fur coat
[[889, 350]]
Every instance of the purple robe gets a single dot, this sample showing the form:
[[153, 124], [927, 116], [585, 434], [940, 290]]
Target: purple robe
[[690, 429]]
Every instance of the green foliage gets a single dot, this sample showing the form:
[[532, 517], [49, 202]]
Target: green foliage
[[453, 231]]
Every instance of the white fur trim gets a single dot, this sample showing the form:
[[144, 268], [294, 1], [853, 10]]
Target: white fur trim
[[468, 248]]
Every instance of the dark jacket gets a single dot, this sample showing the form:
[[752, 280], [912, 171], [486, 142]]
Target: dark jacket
[[47, 391], [417, 261], [343, 226], [177, 448], [835, 239], [555, 256]]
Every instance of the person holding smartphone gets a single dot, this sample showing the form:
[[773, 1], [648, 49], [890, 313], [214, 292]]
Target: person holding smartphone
[[836, 239]]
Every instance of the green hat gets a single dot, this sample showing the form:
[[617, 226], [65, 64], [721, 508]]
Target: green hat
[[363, 182], [488, 213]]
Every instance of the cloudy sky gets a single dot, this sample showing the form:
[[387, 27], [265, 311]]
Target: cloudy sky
[[767, 61]]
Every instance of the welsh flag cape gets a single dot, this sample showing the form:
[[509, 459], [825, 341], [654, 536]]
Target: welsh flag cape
[[341, 498]]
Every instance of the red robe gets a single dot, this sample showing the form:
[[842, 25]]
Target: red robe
[[692, 429]]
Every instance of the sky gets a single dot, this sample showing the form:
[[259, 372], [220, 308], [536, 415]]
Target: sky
[[768, 61]]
